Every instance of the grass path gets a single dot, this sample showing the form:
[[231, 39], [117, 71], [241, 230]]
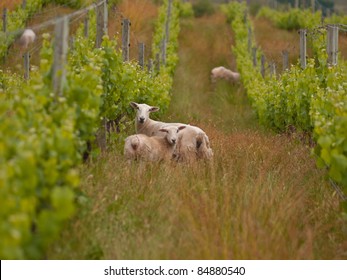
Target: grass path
[[261, 198]]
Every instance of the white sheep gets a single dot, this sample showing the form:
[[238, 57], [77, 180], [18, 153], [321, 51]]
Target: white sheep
[[155, 148], [192, 144], [224, 73], [27, 38], [190, 147]]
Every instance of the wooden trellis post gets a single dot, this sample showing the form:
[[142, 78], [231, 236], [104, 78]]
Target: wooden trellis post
[[249, 39], [167, 24], [125, 39], [163, 52], [285, 60], [332, 44], [24, 4], [101, 30], [72, 42], [262, 65], [26, 57], [142, 55], [105, 17], [60, 51], [254, 56], [4, 26], [86, 25], [4, 20], [313, 6], [296, 6], [273, 68], [99, 25], [150, 65], [101, 22], [303, 44], [165, 40], [157, 62]]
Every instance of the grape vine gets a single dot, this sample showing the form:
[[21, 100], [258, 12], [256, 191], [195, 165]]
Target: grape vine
[[311, 99], [43, 136]]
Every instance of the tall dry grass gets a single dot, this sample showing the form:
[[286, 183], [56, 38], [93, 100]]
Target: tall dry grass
[[261, 198], [9, 4]]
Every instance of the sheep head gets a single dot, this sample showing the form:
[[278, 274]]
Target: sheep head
[[172, 133], [143, 111]]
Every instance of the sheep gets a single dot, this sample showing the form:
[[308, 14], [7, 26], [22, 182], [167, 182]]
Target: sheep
[[190, 146], [155, 148], [144, 124], [224, 73], [27, 38]]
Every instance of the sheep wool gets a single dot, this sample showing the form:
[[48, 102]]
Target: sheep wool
[[27, 38], [155, 148], [224, 73], [189, 149]]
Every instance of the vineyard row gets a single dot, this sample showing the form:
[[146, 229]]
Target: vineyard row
[[311, 99], [45, 133]]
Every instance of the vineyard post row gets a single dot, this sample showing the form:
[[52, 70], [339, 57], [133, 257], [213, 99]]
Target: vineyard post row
[[61, 49], [310, 97], [331, 46], [102, 22]]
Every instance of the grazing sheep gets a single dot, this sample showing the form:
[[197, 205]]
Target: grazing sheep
[[224, 73], [155, 148], [193, 144], [27, 38], [189, 148]]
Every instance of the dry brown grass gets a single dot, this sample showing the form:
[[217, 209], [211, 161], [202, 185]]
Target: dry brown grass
[[9, 4], [252, 202], [261, 198]]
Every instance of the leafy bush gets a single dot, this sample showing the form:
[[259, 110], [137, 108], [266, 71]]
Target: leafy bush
[[311, 99], [186, 9], [43, 136], [294, 19]]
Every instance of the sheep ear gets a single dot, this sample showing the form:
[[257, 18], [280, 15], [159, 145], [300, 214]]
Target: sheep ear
[[182, 127], [134, 105], [154, 109], [163, 130]]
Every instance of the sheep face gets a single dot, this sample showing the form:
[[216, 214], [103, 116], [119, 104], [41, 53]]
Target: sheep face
[[172, 133], [143, 111]]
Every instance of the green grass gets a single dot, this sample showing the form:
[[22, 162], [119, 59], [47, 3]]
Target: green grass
[[260, 198]]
